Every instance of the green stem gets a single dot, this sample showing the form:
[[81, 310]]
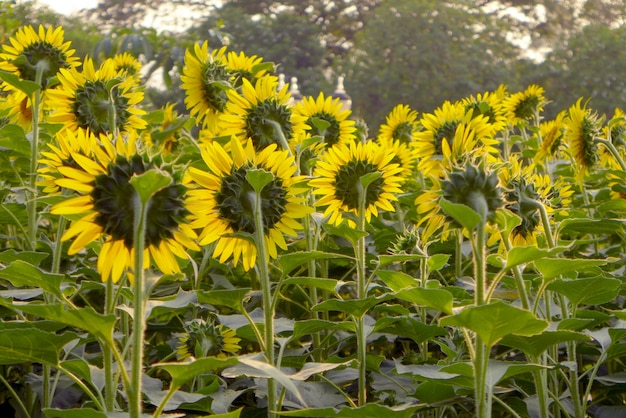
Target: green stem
[[541, 384], [16, 397], [31, 205], [609, 145], [360, 256], [110, 384], [139, 323]]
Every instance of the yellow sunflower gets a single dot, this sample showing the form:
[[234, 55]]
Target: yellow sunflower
[[524, 106], [489, 104], [242, 66], [431, 221], [106, 202], [400, 125], [259, 112], [325, 118], [30, 48], [337, 175], [206, 79], [91, 99], [615, 132], [203, 339], [128, 65], [582, 126], [450, 136], [164, 138], [18, 109], [551, 133], [220, 205]]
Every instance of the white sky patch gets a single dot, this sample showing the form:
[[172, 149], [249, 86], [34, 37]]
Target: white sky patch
[[67, 7]]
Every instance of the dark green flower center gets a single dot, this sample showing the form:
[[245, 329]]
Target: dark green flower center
[[527, 107], [331, 133], [236, 197], [482, 108], [264, 133], [215, 83], [521, 200], [114, 201], [203, 340], [588, 154], [445, 131], [54, 59], [475, 188], [348, 184], [94, 105], [403, 133]]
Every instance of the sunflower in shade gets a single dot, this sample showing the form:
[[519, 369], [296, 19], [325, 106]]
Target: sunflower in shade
[[206, 79], [398, 134], [489, 104], [243, 66], [260, 113], [337, 180], [106, 205], [221, 205], [98, 100], [551, 133], [17, 109], [30, 49], [203, 339], [326, 119], [128, 64], [524, 106], [582, 126]]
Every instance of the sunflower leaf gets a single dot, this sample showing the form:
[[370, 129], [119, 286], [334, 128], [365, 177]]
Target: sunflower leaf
[[150, 182], [259, 178], [467, 217], [26, 86]]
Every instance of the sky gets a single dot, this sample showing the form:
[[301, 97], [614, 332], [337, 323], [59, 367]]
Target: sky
[[68, 6]]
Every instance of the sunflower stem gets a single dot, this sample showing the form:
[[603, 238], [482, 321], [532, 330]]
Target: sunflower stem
[[34, 159], [614, 152], [139, 324], [110, 384]]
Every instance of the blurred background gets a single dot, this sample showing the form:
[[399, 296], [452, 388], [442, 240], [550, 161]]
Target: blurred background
[[414, 52]]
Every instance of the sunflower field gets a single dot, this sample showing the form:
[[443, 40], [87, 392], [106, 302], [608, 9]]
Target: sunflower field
[[264, 254]]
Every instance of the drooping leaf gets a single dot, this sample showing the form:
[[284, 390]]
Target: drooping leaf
[[182, 373], [522, 255], [289, 262], [312, 326], [535, 345], [354, 307], [551, 268], [329, 285], [463, 214], [32, 345], [232, 298], [588, 291], [21, 273], [368, 410], [408, 327], [150, 182]]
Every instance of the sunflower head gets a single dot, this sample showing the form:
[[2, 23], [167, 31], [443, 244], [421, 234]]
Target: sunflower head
[[407, 242], [521, 198], [400, 125], [523, 106], [42, 49], [243, 66], [326, 119], [582, 126], [204, 339], [551, 133], [128, 65], [473, 186]]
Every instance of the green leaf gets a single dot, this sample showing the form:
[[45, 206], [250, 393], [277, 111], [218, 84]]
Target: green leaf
[[437, 261], [73, 413], [344, 231], [329, 285], [369, 178], [26, 86], [182, 373], [433, 392], [408, 327], [319, 123], [555, 267], [535, 345], [493, 321], [32, 345], [592, 226], [21, 273], [467, 217], [356, 308], [12, 137], [312, 326], [30, 257], [523, 255], [439, 299], [368, 410], [588, 291], [397, 280], [507, 221], [259, 178], [291, 261], [385, 260], [148, 183], [232, 298]]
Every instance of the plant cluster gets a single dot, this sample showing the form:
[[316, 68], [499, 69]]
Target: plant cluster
[[264, 255]]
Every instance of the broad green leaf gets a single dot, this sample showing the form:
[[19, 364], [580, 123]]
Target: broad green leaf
[[50, 326], [437, 261], [32, 345], [312, 326], [356, 308], [588, 291], [397, 280], [507, 221], [329, 285], [425, 371], [408, 327], [319, 123], [232, 298], [30, 257], [592, 226], [21, 273], [551, 268], [147, 184], [535, 345], [259, 178], [26, 86], [385, 260], [433, 392], [13, 214], [12, 137], [182, 373], [368, 410], [439, 299], [467, 217], [87, 319], [73, 413], [522, 255], [345, 231], [369, 178], [493, 321], [291, 261]]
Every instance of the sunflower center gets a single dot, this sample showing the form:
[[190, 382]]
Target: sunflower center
[[447, 132], [331, 133], [214, 76], [526, 107], [522, 198], [403, 133], [93, 104], [588, 154], [235, 201], [37, 52], [260, 130], [114, 198], [348, 184]]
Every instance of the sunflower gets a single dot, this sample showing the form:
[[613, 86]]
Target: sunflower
[[404, 154], [489, 104], [450, 136], [242, 66], [337, 178], [17, 109], [203, 339], [326, 119], [615, 132], [206, 79], [551, 133], [92, 98], [582, 126], [432, 222], [164, 139], [259, 112], [31, 49], [221, 206], [128, 65], [400, 125], [106, 202], [524, 106]]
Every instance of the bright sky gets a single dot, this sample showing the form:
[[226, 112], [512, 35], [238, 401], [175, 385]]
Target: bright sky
[[68, 6]]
